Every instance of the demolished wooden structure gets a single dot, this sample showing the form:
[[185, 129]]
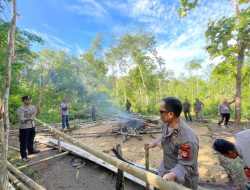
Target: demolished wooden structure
[[141, 174]]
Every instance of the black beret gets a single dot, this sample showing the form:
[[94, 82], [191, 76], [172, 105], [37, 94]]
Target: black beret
[[26, 98]]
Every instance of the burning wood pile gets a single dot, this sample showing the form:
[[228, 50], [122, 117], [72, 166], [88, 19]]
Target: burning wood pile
[[127, 126]]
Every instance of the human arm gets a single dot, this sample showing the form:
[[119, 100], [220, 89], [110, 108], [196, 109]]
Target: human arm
[[219, 109], [231, 102], [154, 144]]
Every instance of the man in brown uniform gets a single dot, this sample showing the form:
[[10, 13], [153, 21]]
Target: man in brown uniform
[[27, 127], [180, 146]]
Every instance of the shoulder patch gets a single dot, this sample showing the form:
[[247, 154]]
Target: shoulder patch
[[185, 151]]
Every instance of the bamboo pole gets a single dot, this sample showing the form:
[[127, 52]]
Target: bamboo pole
[[28, 181], [151, 178], [17, 182], [43, 160], [147, 162]]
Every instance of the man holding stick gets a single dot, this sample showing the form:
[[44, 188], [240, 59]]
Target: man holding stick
[[180, 146], [27, 127]]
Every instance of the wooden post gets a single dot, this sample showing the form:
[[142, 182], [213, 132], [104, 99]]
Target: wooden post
[[59, 144], [30, 183], [17, 182], [149, 177], [147, 162], [120, 183]]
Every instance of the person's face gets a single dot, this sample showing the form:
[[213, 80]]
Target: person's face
[[225, 100], [65, 100], [165, 115], [231, 154], [197, 99], [27, 101]]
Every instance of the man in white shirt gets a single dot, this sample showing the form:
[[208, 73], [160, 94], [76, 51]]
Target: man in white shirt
[[240, 148], [65, 114]]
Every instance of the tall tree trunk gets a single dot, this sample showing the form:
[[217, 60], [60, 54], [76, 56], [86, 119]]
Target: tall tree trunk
[[241, 50], [144, 86], [238, 83], [4, 183], [42, 90]]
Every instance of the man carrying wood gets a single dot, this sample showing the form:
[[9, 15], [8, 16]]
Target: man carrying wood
[[239, 149], [180, 146], [224, 111], [27, 127], [65, 114]]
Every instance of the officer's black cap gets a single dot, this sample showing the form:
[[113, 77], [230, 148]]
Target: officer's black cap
[[26, 98]]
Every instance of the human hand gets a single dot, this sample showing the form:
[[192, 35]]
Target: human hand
[[247, 173], [170, 176], [151, 145]]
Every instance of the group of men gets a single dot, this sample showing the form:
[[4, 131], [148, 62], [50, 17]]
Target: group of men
[[224, 111], [179, 142], [198, 108]]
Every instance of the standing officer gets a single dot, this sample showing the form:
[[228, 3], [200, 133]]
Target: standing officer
[[198, 107], [65, 113], [224, 110], [180, 146], [27, 127], [128, 106], [93, 113], [240, 148], [187, 109]]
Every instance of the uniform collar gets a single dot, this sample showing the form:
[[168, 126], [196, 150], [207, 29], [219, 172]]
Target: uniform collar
[[174, 131]]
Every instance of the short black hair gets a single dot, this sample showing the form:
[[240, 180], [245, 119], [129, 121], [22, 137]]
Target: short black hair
[[173, 105], [223, 146], [26, 98]]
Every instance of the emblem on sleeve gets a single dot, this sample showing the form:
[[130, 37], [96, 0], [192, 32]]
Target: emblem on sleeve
[[185, 151]]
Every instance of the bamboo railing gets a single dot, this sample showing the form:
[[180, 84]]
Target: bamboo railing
[[148, 177]]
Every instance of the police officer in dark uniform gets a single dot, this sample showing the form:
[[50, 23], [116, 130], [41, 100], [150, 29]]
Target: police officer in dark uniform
[[180, 146], [186, 110], [27, 127]]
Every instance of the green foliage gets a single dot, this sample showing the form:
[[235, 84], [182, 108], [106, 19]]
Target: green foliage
[[186, 6]]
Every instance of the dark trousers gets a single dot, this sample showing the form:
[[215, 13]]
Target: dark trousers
[[93, 116], [188, 116], [26, 138], [225, 116], [65, 121]]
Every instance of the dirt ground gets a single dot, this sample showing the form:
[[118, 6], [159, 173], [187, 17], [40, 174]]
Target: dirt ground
[[133, 150], [60, 173]]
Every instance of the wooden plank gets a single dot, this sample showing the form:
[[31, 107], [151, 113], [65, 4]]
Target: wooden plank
[[82, 153]]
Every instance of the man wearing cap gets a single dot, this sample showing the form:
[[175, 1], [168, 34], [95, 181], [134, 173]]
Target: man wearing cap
[[65, 114], [180, 146], [27, 127]]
